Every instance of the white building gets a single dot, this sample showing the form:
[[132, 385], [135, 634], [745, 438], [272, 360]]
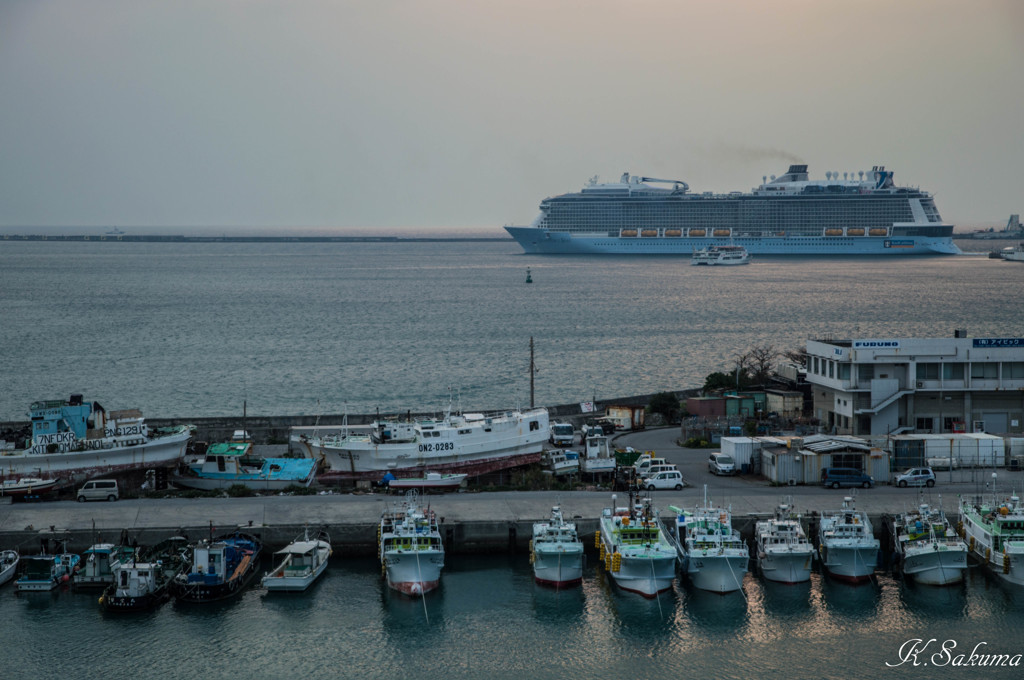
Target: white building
[[875, 387]]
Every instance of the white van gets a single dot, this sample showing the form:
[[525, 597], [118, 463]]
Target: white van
[[643, 464], [99, 490], [669, 479], [655, 469]]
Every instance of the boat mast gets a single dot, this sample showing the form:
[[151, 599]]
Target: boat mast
[[532, 370]]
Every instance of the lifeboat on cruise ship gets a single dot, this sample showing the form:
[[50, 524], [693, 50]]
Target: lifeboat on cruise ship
[[833, 232], [854, 231], [722, 232], [649, 233], [878, 232], [697, 232], [673, 232], [628, 232]]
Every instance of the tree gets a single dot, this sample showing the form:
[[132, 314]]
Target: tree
[[761, 360], [665, 403], [719, 381]]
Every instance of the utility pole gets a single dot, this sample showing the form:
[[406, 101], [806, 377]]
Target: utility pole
[[532, 369]]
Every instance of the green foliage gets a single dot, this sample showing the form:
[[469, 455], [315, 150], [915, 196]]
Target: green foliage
[[719, 381], [666, 404], [697, 443], [239, 490]]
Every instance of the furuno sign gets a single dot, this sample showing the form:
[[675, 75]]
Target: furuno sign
[[999, 342], [876, 344]]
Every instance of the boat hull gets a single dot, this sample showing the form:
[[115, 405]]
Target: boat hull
[[716, 573], [854, 564], [558, 568], [646, 575], [139, 603], [935, 567], [786, 567], [294, 584], [414, 574]]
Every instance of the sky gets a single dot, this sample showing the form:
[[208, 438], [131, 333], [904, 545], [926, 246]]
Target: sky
[[309, 117]]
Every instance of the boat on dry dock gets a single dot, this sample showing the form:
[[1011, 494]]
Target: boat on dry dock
[[226, 464], [430, 480]]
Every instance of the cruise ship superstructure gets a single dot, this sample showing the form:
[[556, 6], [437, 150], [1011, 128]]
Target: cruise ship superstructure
[[861, 213]]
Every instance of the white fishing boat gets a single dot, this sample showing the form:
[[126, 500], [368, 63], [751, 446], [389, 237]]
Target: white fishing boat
[[471, 443], [561, 463], [9, 560], [994, 531], [409, 547], [302, 562], [226, 464], [430, 480], [711, 553], [849, 549], [720, 255], [145, 581], [98, 564], [78, 440], [927, 547], [784, 554], [598, 456], [28, 486], [556, 552], [634, 548], [46, 572]]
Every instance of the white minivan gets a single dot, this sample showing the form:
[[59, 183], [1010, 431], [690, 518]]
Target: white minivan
[[669, 479], [99, 490]]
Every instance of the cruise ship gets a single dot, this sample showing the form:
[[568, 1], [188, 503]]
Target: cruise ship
[[859, 214]]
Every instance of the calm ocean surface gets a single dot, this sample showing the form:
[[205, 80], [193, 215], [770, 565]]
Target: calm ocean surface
[[184, 330]]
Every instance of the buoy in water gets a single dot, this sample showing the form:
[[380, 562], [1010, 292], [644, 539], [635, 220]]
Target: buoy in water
[[529, 279]]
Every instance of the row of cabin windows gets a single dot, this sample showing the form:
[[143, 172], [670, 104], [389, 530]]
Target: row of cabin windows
[[982, 370]]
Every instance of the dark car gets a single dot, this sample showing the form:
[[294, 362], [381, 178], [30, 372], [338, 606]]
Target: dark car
[[836, 477]]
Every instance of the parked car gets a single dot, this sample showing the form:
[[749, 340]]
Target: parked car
[[920, 476], [669, 479], [99, 490], [837, 477], [655, 469], [721, 464]]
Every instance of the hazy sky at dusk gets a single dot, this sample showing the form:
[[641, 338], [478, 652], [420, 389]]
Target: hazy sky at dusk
[[258, 116]]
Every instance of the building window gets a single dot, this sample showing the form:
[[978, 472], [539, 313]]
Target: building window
[[952, 371], [1013, 370], [924, 424], [844, 371], [831, 369], [988, 370], [927, 371], [947, 424], [865, 372], [815, 370]]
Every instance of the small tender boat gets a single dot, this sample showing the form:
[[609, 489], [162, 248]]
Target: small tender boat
[[9, 560], [711, 552], [96, 569], [28, 486], [144, 583], [410, 548], [634, 549], [849, 549], [302, 562], [46, 572], [220, 568], [928, 548], [228, 463], [430, 480], [784, 554], [556, 552], [720, 255]]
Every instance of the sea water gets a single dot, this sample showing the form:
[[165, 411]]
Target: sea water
[[209, 329]]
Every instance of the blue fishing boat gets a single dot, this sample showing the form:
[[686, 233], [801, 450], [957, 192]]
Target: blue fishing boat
[[226, 464], [221, 568], [46, 572]]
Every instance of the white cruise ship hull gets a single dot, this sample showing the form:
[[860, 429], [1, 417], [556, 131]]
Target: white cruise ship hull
[[558, 565], [716, 573], [414, 573], [849, 562], [935, 566], [784, 566]]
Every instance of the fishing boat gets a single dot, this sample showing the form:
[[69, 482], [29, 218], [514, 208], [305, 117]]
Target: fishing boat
[[302, 562], [220, 568], [145, 582], [409, 547], [784, 554], [79, 440], [561, 463], [9, 560], [556, 552], [430, 480], [847, 544], [28, 486], [598, 457], [470, 443], [928, 548], [720, 255], [98, 563], [226, 464], [46, 572], [994, 531], [634, 548], [711, 553]]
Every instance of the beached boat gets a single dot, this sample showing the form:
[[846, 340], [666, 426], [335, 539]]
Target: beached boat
[[784, 554], [226, 464], [220, 568], [409, 547], [634, 548], [556, 552], [848, 547], [78, 440], [302, 562], [470, 443], [711, 552], [598, 457], [994, 531], [145, 582], [29, 486], [430, 480], [9, 560], [927, 547], [46, 572], [720, 255], [98, 563], [560, 463]]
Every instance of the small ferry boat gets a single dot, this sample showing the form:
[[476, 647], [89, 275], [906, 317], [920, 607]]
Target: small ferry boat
[[46, 572], [634, 548], [302, 562], [79, 440], [928, 548], [556, 552], [994, 531], [220, 568], [784, 554], [98, 563], [9, 560], [849, 549], [720, 255], [1013, 253], [410, 549], [228, 463], [711, 553], [145, 582], [430, 480]]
